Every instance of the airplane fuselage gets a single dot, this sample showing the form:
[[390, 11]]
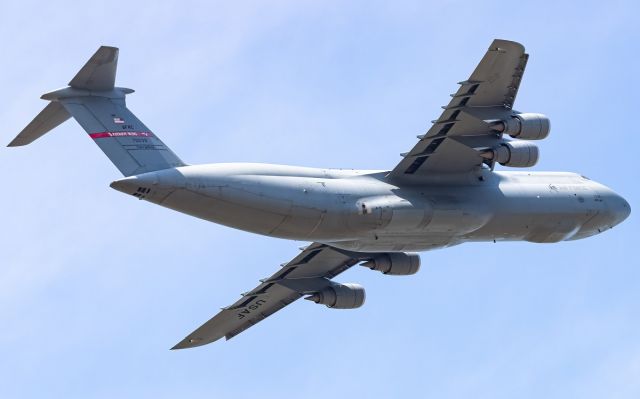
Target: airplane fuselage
[[363, 211]]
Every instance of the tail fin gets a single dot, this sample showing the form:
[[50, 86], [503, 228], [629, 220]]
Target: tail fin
[[100, 108]]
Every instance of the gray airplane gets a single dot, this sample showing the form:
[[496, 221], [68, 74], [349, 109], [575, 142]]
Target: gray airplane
[[443, 192]]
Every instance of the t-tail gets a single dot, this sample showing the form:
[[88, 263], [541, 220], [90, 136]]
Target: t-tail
[[99, 107]]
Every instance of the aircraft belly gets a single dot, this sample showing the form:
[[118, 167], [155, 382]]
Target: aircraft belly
[[277, 213], [454, 216], [301, 223], [412, 221], [218, 210], [394, 243]]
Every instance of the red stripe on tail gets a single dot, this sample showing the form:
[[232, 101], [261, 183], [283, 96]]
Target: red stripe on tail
[[100, 135]]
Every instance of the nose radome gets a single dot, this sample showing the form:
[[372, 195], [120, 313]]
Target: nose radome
[[620, 208]]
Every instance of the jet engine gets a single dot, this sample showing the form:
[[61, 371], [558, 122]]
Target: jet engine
[[395, 263], [524, 126], [516, 153], [340, 296]]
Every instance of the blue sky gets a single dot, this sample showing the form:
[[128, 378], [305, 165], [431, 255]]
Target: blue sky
[[96, 287]]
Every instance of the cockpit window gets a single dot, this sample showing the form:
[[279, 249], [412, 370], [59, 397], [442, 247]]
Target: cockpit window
[[585, 177]]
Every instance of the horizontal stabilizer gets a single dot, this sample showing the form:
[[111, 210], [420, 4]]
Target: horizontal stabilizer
[[99, 73], [51, 116]]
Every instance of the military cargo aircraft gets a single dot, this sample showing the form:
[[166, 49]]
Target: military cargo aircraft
[[443, 192]]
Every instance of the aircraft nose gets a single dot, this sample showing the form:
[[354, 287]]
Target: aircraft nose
[[616, 208], [612, 210], [619, 208]]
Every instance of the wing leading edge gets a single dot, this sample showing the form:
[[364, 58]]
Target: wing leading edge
[[308, 272], [450, 145]]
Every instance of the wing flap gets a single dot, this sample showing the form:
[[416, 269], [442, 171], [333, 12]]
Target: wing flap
[[450, 156]]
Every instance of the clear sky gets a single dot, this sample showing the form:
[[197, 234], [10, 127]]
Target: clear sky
[[95, 287]]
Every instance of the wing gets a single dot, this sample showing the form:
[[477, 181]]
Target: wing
[[452, 143], [308, 272]]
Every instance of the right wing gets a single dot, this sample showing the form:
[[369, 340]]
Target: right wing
[[308, 272]]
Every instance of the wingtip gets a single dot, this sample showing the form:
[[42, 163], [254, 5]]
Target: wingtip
[[16, 143], [189, 343], [179, 345], [503, 43], [109, 52]]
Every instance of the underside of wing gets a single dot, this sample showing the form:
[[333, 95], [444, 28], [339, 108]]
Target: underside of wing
[[307, 273], [470, 128]]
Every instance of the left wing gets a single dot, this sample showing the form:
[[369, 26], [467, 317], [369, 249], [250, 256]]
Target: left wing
[[307, 273], [464, 127]]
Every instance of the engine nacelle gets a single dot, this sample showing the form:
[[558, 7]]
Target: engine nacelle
[[517, 154], [525, 126], [340, 296], [395, 263]]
